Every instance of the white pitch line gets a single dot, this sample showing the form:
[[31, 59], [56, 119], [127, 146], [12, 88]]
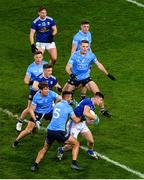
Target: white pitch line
[[141, 175], [116, 163], [135, 2]]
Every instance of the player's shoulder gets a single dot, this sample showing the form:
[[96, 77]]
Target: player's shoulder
[[44, 62], [53, 77], [31, 65], [77, 35], [37, 94], [36, 20], [49, 18], [51, 93]]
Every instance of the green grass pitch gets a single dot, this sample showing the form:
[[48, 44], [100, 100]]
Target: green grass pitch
[[117, 40]]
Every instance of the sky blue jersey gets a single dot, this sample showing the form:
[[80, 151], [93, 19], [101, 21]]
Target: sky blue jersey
[[61, 112], [81, 36], [44, 104], [80, 108], [43, 28], [81, 64], [34, 70], [51, 80]]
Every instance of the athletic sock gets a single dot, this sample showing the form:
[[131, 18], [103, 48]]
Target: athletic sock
[[20, 120], [36, 164], [74, 162]]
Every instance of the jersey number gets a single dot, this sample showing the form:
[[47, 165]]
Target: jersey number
[[56, 113]]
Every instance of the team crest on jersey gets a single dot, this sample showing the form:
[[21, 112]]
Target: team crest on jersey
[[43, 24], [48, 23]]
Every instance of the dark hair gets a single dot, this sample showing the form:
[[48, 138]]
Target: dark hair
[[47, 66], [99, 94], [37, 52], [64, 93], [42, 85], [84, 41], [41, 9], [85, 22]]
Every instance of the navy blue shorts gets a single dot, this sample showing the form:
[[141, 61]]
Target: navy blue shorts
[[31, 95], [60, 136], [80, 82], [40, 116]]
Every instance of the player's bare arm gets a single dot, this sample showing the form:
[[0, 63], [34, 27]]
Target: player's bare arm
[[87, 113], [54, 28]]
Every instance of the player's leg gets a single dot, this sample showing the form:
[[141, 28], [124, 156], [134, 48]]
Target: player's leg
[[25, 111], [25, 132], [40, 156], [92, 86], [73, 129], [53, 52], [68, 87], [75, 150], [83, 92], [48, 142], [86, 133]]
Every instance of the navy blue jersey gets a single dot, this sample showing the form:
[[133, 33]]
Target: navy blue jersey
[[80, 108], [43, 28], [52, 81]]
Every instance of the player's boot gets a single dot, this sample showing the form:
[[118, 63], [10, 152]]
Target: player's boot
[[15, 143], [92, 153], [105, 112], [76, 167], [19, 125], [34, 167], [60, 153]]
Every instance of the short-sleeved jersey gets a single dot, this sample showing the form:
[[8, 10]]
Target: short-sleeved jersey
[[51, 80], [81, 64], [81, 36], [44, 104], [61, 112], [43, 28], [34, 70], [80, 108]]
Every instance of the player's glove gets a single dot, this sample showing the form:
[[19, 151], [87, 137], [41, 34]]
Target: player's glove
[[73, 77], [38, 124], [33, 48], [59, 89], [30, 83], [50, 39], [111, 77]]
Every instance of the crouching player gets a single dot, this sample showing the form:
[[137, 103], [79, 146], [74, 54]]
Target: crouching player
[[56, 131], [83, 110], [41, 107]]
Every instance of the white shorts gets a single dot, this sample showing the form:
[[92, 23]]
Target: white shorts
[[75, 128], [45, 45]]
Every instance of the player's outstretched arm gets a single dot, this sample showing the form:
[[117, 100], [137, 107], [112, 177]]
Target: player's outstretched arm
[[103, 69]]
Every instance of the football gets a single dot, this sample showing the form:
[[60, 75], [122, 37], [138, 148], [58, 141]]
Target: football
[[95, 121]]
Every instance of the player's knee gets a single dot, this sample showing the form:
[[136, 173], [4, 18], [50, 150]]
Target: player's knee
[[91, 142]]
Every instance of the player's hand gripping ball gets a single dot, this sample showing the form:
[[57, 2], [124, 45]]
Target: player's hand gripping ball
[[96, 121]]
